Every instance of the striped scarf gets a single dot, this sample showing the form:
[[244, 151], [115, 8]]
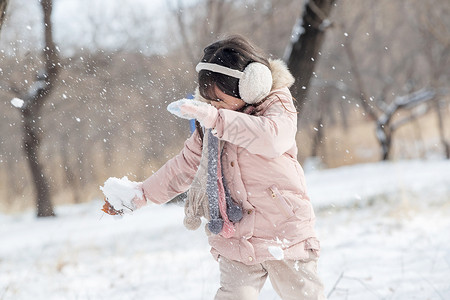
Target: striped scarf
[[209, 196]]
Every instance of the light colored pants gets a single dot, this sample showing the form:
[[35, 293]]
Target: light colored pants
[[291, 279]]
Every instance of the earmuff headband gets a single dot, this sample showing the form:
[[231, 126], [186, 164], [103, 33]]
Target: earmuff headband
[[255, 82], [219, 69]]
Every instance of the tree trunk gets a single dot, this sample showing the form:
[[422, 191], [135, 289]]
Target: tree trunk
[[31, 143], [31, 113], [386, 150], [441, 127], [304, 54], [3, 5], [385, 143]]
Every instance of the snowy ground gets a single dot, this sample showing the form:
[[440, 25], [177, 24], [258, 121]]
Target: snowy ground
[[384, 229]]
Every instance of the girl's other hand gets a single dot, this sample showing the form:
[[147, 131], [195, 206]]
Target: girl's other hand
[[138, 202], [205, 113]]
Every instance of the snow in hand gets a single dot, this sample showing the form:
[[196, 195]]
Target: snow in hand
[[385, 237], [16, 102], [176, 108], [120, 192]]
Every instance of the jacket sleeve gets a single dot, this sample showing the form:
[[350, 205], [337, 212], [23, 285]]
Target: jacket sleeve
[[176, 175], [270, 134]]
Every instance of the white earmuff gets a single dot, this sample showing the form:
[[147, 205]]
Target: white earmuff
[[255, 82]]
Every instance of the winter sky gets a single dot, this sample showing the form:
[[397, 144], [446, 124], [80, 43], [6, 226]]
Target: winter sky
[[77, 23]]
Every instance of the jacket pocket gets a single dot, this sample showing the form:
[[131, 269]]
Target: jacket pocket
[[280, 202]]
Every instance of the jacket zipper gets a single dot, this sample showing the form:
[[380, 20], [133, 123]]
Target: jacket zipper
[[280, 202]]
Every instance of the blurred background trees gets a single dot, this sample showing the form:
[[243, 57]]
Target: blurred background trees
[[120, 65]]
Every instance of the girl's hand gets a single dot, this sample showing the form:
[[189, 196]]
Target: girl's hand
[[138, 202], [122, 196], [205, 113], [122, 209]]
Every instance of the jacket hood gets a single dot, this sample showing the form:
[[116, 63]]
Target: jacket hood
[[281, 75]]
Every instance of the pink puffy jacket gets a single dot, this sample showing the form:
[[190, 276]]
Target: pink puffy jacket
[[262, 173]]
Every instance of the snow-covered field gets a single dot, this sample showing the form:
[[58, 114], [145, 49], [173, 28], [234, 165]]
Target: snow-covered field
[[384, 229]]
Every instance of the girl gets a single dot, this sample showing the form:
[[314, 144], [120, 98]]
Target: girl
[[243, 176]]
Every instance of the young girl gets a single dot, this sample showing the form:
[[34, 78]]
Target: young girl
[[243, 176]]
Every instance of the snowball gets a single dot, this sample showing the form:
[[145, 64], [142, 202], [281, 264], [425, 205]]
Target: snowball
[[121, 191], [276, 252], [16, 102]]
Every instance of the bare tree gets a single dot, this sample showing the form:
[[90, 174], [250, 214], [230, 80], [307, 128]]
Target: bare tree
[[387, 107], [31, 112], [385, 125], [379, 80], [308, 36]]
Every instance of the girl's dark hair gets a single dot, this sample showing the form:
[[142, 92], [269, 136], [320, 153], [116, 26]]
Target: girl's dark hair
[[235, 52]]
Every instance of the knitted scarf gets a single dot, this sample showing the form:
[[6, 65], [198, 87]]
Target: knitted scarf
[[209, 196]]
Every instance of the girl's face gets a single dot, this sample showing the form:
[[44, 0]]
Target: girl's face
[[227, 101]]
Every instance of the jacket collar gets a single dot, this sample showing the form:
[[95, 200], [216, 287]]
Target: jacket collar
[[281, 75]]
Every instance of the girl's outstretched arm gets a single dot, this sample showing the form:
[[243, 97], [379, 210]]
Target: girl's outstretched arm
[[176, 175]]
